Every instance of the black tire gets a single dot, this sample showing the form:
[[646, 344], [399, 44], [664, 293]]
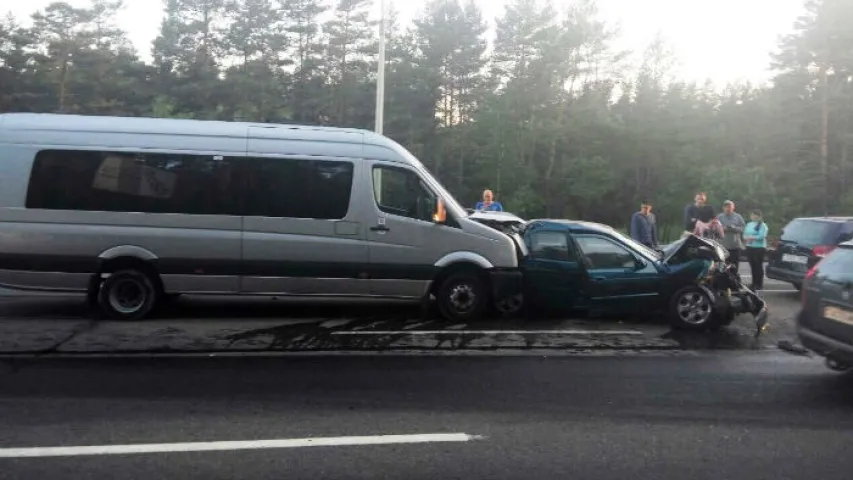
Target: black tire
[[510, 306], [128, 295], [692, 309], [463, 296]]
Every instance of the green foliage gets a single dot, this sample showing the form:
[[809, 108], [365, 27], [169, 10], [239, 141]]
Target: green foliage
[[548, 118]]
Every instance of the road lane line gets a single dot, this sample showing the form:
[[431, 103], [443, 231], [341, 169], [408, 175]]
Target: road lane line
[[234, 445], [487, 332]]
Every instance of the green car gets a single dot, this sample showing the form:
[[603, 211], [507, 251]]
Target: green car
[[574, 265]]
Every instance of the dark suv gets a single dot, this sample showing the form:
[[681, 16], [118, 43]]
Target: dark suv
[[803, 243], [825, 322]]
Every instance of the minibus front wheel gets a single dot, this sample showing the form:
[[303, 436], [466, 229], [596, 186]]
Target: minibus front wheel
[[463, 296], [128, 294]]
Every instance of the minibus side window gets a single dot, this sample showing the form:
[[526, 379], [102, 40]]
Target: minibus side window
[[398, 191], [145, 182], [292, 188]]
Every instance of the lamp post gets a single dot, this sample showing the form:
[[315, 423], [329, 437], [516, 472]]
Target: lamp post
[[380, 74]]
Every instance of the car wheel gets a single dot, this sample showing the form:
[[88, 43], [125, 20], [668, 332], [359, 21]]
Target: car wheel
[[128, 295], [463, 297], [692, 309], [510, 305]]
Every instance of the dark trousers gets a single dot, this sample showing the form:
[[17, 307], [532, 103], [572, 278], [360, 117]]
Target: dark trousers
[[734, 258], [755, 256]]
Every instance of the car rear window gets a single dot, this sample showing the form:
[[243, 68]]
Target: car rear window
[[811, 232], [838, 265]]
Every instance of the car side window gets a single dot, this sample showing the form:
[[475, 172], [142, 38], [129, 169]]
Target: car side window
[[551, 246], [401, 192], [600, 253]]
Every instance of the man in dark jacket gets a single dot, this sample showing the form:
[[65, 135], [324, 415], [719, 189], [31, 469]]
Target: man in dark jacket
[[698, 210], [644, 226]]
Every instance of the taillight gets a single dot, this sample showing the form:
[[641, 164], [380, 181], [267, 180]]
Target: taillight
[[822, 250], [812, 271]]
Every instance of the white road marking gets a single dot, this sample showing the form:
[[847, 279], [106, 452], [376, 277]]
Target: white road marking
[[234, 445], [488, 332]]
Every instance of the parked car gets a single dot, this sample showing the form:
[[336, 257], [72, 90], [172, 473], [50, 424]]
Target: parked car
[[132, 210], [573, 265], [825, 322], [803, 243]]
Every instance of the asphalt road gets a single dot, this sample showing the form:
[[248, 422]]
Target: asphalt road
[[710, 416]]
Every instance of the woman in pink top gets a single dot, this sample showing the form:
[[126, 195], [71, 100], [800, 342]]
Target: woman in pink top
[[712, 230]]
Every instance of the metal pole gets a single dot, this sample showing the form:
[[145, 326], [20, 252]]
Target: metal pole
[[380, 74]]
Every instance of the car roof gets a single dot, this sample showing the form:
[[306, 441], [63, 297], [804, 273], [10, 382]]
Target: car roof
[[304, 138], [14, 121], [577, 226], [826, 219]]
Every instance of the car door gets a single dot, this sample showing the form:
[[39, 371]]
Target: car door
[[618, 278], [553, 275], [401, 264]]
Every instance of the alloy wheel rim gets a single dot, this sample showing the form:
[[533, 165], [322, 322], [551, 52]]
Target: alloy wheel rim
[[463, 298], [694, 308]]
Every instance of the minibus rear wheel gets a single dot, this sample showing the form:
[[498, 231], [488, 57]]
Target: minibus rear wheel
[[128, 295], [463, 296]]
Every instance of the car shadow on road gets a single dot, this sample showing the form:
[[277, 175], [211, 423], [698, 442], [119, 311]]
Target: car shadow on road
[[311, 324]]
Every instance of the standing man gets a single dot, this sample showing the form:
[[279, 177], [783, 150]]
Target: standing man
[[733, 226], [644, 226], [699, 211], [489, 203]]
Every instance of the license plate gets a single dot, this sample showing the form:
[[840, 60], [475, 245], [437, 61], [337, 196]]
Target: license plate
[[788, 258], [838, 314]]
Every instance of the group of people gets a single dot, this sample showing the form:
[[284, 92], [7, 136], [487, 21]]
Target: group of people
[[728, 228]]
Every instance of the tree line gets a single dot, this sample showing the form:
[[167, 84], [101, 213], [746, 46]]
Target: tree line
[[543, 109]]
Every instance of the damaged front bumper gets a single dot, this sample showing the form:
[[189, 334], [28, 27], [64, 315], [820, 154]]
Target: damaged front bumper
[[731, 303]]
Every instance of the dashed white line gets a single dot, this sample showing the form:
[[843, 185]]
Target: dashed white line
[[234, 445], [488, 332]]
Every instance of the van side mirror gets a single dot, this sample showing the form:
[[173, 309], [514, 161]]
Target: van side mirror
[[440, 214], [639, 263]]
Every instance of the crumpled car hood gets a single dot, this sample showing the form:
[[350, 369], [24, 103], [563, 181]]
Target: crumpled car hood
[[502, 221], [692, 247]]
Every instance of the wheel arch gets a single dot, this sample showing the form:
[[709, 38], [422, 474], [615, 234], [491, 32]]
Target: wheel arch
[[124, 257], [464, 257], [457, 267]]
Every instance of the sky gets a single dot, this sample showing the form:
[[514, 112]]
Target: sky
[[721, 40]]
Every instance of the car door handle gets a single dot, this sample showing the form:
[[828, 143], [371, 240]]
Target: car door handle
[[380, 228], [599, 279]]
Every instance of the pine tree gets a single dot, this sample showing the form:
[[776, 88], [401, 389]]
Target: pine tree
[[351, 49], [188, 52], [306, 96]]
